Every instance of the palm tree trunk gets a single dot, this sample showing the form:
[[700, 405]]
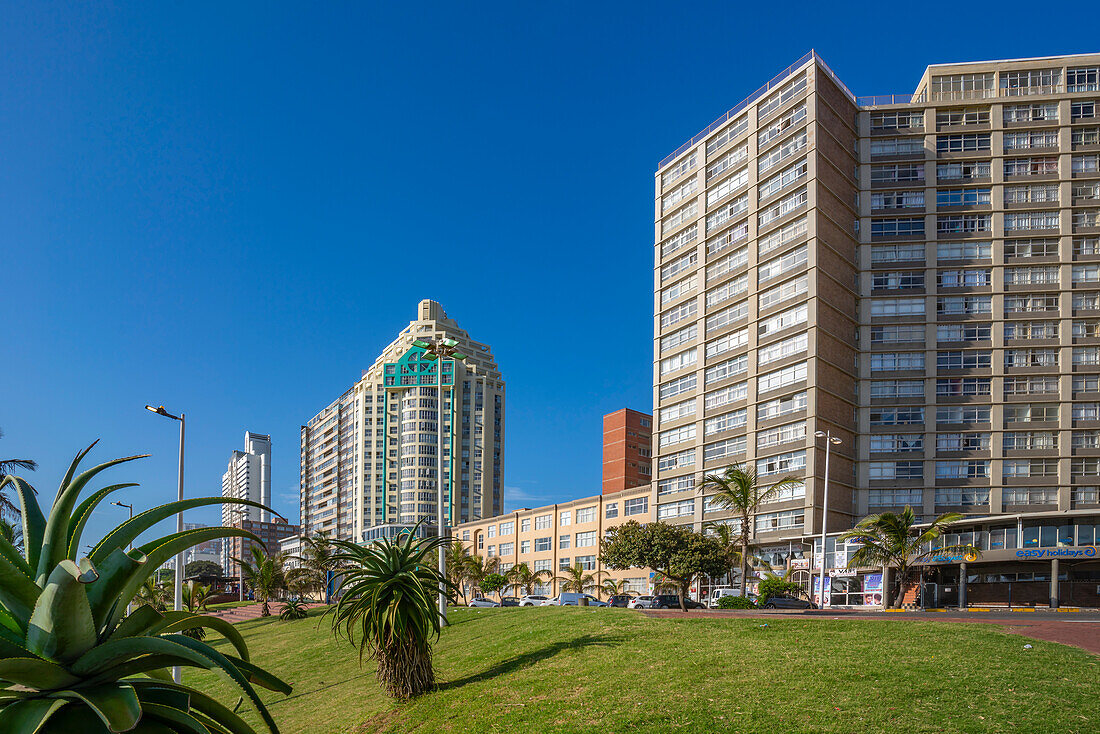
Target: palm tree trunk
[[745, 567]]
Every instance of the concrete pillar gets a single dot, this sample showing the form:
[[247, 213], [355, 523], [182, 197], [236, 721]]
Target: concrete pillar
[[962, 585], [886, 598], [1053, 583]]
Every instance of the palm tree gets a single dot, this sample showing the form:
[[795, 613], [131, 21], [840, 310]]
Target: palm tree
[[7, 466], [12, 532], [890, 539], [458, 566], [154, 594], [314, 565], [264, 575], [522, 576], [388, 602], [613, 587], [195, 596], [738, 490], [575, 579], [477, 568]]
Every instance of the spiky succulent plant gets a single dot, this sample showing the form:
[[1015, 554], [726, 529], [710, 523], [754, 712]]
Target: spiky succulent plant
[[73, 660]]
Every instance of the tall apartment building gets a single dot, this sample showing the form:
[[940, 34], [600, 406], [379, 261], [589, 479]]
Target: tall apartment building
[[967, 380], [248, 477], [368, 460], [627, 450]]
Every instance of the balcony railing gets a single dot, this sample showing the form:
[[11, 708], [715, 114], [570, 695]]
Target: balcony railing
[[887, 99]]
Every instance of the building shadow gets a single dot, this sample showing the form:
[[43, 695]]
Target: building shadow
[[518, 662]]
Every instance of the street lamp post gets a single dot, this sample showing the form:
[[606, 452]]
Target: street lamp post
[[440, 349], [240, 563], [830, 439], [177, 674]]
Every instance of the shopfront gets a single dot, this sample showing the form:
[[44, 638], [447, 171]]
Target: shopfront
[[847, 587]]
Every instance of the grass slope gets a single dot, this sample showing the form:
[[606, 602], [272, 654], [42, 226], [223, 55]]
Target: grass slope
[[613, 670]]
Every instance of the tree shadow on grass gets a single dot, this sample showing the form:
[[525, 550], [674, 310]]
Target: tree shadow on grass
[[518, 662]]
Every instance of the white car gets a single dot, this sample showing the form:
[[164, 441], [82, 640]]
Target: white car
[[532, 600], [639, 602]]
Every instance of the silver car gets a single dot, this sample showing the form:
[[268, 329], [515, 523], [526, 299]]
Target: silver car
[[483, 602], [640, 602], [532, 600]]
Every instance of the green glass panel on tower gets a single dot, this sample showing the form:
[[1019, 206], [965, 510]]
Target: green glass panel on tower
[[415, 369]]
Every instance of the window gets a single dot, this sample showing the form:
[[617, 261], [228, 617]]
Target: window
[[1015, 221], [890, 443], [679, 169], [678, 386], [962, 469], [781, 350], [962, 116], [507, 528], [679, 240], [677, 338], [730, 315], [586, 514], [784, 292], [677, 411], [723, 449], [787, 520], [727, 290], [611, 510], [788, 433], [974, 278], [675, 484], [680, 216], [897, 173], [636, 506], [897, 200], [879, 470], [1079, 136], [1032, 194], [1082, 110], [962, 414], [725, 422], [1031, 358], [1083, 79], [1029, 385], [897, 120], [1086, 356], [894, 389], [728, 134], [784, 319], [897, 334], [542, 544], [728, 264], [962, 170], [962, 496], [1086, 383], [957, 387], [781, 237], [962, 442], [894, 361], [777, 99], [1015, 330], [727, 369], [781, 378], [1086, 439], [962, 143], [1044, 112], [679, 361], [492, 531], [1031, 247], [780, 181], [507, 549], [1031, 166], [782, 208], [781, 152], [727, 162], [960, 305], [962, 86], [543, 522], [781, 406], [1031, 139], [677, 314], [727, 212], [894, 497], [1029, 440], [676, 436], [564, 541], [1086, 301], [726, 395], [1029, 496], [963, 197], [565, 518], [1028, 303], [1034, 81], [897, 253], [780, 265], [964, 360], [897, 146], [1030, 413], [587, 563], [1086, 219], [670, 510], [1086, 329], [1029, 468], [895, 416], [1084, 412], [679, 194], [524, 546], [587, 539], [525, 525], [897, 227], [962, 223], [674, 291], [963, 332], [964, 251], [788, 463]]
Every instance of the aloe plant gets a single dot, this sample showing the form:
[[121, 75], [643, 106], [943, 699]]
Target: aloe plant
[[73, 660]]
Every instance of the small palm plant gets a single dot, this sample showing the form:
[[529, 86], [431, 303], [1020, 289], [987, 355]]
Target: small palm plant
[[477, 568], [73, 660], [194, 600], [264, 575], [293, 609], [388, 595], [314, 565], [458, 566], [738, 489], [613, 587], [154, 594], [522, 576], [892, 539], [576, 579]]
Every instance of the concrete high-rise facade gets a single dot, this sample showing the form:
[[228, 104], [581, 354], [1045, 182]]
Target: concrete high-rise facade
[[248, 477], [627, 450], [918, 274], [368, 460]]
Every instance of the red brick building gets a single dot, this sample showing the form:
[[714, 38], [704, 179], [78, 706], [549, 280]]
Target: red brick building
[[627, 450], [269, 532]]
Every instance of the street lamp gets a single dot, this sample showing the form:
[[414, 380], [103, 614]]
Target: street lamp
[[177, 674], [830, 439], [131, 509], [440, 349]]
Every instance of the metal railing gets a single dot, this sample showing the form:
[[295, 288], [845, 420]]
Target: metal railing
[[776, 81], [876, 100]]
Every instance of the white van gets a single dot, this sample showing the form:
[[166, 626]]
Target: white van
[[717, 594]]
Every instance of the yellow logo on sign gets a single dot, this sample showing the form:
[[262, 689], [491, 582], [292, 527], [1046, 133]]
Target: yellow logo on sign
[[971, 556]]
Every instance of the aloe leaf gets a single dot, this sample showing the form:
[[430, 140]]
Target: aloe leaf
[[55, 540], [138, 622], [152, 727], [179, 621], [61, 626], [118, 650], [141, 665], [114, 572], [128, 531], [41, 675], [18, 594], [34, 524], [202, 703], [116, 704], [28, 716], [84, 511], [260, 677], [179, 721]]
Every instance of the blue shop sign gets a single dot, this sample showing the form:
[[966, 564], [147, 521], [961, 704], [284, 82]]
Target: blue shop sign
[[1084, 552]]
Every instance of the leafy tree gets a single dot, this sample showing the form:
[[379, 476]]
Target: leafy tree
[[314, 565], [576, 579], [772, 585], [891, 539], [458, 566], [72, 659], [522, 576], [735, 602], [676, 552], [264, 575], [493, 583], [738, 490], [202, 568], [477, 568], [388, 594]]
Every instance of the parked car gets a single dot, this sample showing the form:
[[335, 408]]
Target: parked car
[[532, 600], [620, 600], [672, 601], [639, 602], [716, 594], [483, 602], [573, 599], [510, 601], [786, 601]]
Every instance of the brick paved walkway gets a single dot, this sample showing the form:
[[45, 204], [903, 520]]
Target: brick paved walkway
[[252, 611]]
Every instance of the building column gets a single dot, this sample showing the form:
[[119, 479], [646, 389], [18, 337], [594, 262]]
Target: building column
[[962, 585], [1053, 583], [886, 599]]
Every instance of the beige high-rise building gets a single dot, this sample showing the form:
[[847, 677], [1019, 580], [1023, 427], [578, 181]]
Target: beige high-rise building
[[918, 274], [368, 460]]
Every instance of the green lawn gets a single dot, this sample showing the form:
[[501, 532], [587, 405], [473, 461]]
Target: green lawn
[[613, 670]]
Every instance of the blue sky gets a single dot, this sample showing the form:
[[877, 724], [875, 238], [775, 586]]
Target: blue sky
[[230, 209]]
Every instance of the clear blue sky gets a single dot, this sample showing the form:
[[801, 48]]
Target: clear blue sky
[[231, 209]]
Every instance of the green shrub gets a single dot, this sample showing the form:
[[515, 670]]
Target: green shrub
[[735, 602], [775, 586]]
